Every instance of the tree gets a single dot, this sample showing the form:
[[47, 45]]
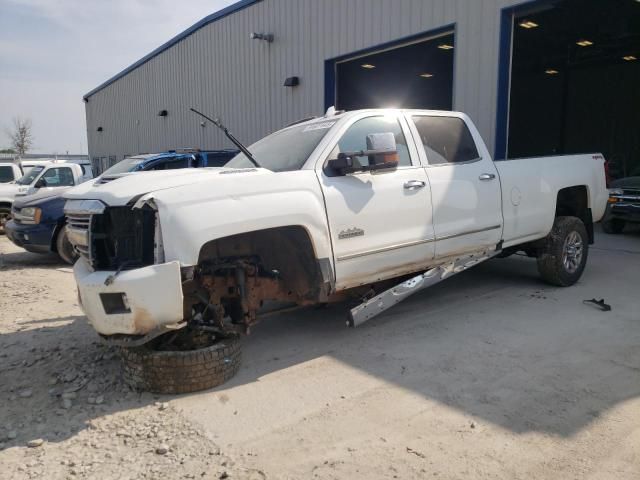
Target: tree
[[20, 135]]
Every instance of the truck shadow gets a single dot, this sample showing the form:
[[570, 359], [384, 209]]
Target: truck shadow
[[22, 259], [494, 343]]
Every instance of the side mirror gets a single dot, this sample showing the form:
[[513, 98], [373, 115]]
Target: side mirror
[[382, 153], [40, 183]]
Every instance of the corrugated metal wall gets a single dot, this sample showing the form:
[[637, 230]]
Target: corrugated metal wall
[[223, 72]]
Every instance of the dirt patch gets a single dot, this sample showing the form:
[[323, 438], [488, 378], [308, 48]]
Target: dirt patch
[[66, 412]]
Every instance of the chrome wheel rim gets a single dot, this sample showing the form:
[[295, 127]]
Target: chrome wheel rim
[[572, 252]]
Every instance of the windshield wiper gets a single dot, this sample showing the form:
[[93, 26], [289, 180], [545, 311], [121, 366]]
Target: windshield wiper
[[230, 136]]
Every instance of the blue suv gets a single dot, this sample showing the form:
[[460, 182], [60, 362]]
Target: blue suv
[[38, 223]]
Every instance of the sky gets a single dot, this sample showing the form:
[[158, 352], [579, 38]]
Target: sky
[[52, 52]]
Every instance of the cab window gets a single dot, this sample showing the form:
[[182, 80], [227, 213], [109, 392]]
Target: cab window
[[170, 163], [355, 138], [178, 163], [446, 140], [58, 177]]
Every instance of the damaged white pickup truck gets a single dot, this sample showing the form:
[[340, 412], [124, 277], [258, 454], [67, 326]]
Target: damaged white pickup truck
[[372, 205]]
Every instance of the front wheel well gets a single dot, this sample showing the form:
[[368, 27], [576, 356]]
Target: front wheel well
[[56, 231], [574, 202], [289, 250]]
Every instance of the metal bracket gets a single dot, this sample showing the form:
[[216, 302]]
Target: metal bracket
[[387, 299]]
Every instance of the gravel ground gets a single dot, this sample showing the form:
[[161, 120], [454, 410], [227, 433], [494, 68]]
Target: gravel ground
[[64, 410], [491, 375]]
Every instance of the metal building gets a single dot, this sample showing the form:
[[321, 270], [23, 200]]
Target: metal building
[[538, 77]]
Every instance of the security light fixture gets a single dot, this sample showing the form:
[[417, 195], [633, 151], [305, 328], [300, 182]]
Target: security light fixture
[[528, 24], [267, 37], [368, 66], [99, 129], [163, 113], [551, 71], [292, 82], [630, 58], [426, 75], [584, 43], [445, 46]]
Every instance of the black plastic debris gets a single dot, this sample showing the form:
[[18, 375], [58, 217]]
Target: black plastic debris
[[598, 304]]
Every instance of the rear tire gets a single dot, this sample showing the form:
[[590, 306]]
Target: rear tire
[[182, 371], [64, 248], [613, 226], [563, 257], [5, 215]]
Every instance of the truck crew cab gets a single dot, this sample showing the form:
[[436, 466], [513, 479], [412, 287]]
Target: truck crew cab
[[349, 204]]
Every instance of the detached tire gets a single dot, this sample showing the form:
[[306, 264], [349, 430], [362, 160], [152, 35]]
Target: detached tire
[[64, 248], [613, 226], [562, 259], [170, 372]]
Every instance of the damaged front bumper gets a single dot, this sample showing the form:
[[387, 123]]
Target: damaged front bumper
[[136, 302]]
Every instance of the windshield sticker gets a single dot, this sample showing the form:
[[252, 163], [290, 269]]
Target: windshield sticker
[[319, 126]]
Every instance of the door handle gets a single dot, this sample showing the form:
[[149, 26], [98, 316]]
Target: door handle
[[485, 177], [414, 185]]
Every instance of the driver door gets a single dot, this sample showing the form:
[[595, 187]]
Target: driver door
[[380, 222]]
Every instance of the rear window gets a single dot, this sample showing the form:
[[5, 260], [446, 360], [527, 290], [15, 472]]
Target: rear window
[[6, 173], [446, 140]]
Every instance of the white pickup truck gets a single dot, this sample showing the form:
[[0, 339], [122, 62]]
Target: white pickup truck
[[370, 204], [9, 172], [41, 178]]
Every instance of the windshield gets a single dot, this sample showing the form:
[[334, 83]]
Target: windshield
[[285, 150], [30, 175], [126, 165]]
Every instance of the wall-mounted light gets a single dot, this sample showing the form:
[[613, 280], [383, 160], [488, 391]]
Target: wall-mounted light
[[99, 129], [551, 71], [267, 37], [203, 124], [426, 75], [630, 58], [292, 82], [368, 66], [163, 113], [584, 43], [445, 46]]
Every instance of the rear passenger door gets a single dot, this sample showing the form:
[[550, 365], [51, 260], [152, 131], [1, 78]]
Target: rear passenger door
[[465, 188]]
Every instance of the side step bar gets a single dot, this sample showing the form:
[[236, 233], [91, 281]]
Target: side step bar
[[387, 299]]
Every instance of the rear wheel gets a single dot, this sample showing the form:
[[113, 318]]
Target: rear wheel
[[64, 248], [5, 215], [613, 225], [562, 259]]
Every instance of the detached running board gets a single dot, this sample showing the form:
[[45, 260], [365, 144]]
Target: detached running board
[[387, 299]]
